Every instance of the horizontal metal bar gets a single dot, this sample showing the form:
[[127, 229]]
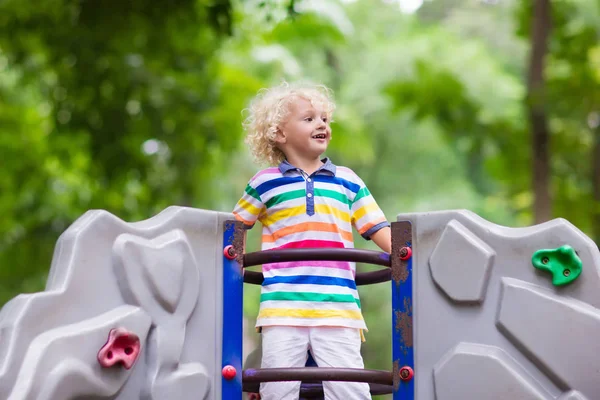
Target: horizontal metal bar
[[316, 254], [315, 390], [253, 277], [369, 278], [316, 374], [363, 278]]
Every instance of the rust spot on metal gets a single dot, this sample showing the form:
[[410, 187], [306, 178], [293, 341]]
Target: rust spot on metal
[[404, 324], [239, 239], [408, 304], [396, 276], [403, 274], [401, 236], [396, 375]]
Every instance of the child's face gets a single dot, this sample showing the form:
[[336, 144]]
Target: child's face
[[306, 132]]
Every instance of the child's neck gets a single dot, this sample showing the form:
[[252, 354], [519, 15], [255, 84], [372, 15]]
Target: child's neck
[[307, 165]]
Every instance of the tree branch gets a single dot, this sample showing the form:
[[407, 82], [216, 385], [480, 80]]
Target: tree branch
[[536, 109]]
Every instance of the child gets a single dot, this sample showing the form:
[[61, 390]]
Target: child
[[304, 201]]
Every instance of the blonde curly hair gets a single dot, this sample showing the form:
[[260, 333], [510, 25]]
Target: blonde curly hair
[[269, 109]]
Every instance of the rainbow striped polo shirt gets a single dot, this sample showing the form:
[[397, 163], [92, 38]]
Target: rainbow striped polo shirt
[[299, 211]]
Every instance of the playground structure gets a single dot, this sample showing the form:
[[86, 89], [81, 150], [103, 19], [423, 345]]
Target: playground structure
[[153, 310]]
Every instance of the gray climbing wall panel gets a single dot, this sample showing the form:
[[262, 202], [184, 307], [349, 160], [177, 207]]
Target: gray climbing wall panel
[[159, 279], [488, 325]]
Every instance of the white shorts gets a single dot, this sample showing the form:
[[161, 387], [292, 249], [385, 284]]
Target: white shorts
[[287, 346]]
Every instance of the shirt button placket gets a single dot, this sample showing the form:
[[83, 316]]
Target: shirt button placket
[[310, 198]]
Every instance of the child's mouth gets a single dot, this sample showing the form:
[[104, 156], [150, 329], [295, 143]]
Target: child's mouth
[[320, 136]]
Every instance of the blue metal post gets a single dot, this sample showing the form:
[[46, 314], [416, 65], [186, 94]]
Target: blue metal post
[[233, 297], [402, 313]]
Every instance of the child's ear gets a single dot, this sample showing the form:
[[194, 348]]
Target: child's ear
[[280, 137]]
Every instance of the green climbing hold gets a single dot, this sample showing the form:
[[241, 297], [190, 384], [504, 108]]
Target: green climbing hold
[[563, 263]]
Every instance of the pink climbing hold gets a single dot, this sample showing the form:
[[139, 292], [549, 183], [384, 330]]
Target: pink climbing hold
[[122, 347]]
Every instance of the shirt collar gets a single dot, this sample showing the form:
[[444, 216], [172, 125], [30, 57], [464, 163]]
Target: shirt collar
[[328, 166]]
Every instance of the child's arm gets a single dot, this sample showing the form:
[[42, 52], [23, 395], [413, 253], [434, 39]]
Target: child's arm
[[383, 239], [369, 220]]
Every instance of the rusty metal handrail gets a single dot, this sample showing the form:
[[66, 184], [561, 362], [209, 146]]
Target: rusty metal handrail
[[363, 278], [316, 374], [316, 254], [315, 390]]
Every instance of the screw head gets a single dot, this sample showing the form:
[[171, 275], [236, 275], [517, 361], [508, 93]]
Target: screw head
[[405, 253], [229, 252], [567, 272], [229, 372], [545, 260], [406, 373]]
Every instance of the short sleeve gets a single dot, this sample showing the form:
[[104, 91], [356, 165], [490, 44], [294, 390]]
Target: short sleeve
[[367, 217], [249, 207]]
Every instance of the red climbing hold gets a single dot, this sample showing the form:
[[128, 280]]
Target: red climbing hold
[[405, 253], [122, 347], [229, 252], [229, 372]]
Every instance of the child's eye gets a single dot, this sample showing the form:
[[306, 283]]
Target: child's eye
[[309, 119], [325, 119]]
